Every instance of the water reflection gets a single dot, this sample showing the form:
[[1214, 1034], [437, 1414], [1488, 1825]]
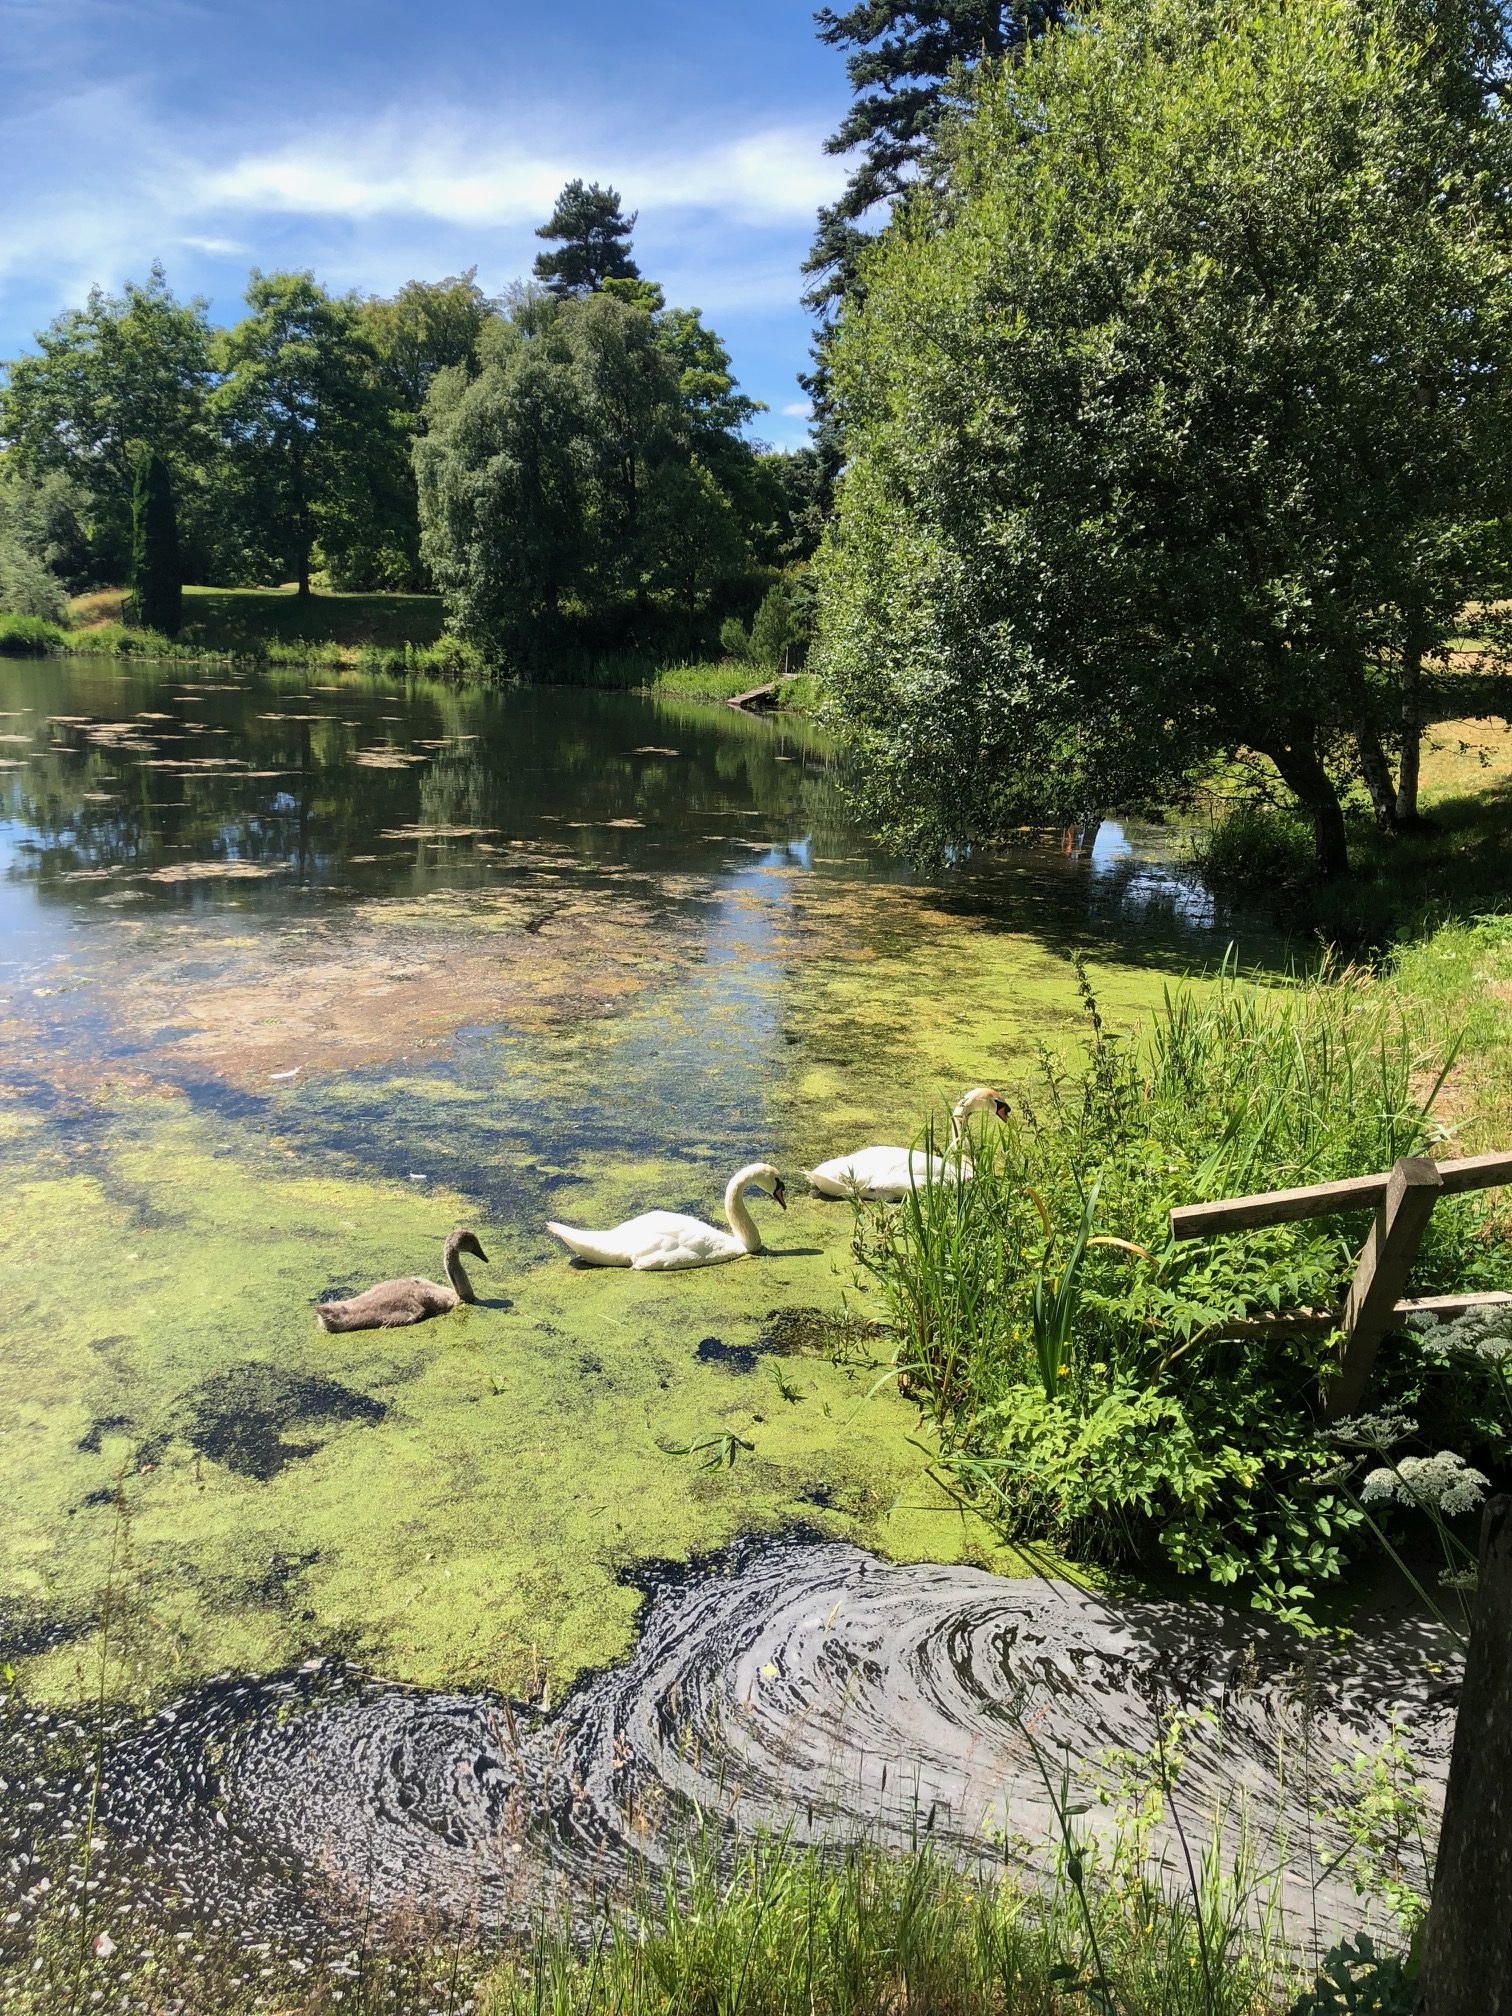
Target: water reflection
[[228, 882]]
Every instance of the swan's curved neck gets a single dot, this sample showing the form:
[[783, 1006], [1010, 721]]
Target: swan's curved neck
[[957, 1124], [457, 1277], [742, 1224]]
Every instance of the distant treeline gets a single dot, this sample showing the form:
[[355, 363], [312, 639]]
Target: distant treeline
[[567, 464]]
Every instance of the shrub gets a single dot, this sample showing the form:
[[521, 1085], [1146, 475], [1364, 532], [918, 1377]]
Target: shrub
[[1258, 849], [779, 634], [29, 636], [1151, 1426]]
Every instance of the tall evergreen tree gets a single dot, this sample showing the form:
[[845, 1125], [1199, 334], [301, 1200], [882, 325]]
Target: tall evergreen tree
[[156, 584], [901, 66], [594, 235]]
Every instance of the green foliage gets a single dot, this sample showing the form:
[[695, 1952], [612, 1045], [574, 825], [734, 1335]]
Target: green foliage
[[121, 373], [28, 586], [156, 583], [779, 632], [907, 68], [313, 443], [1257, 848], [428, 327], [589, 468], [29, 636], [1178, 422], [1099, 1388], [1356, 1980], [594, 235]]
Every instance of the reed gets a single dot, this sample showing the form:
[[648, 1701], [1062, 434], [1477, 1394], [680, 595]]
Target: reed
[[1087, 1379]]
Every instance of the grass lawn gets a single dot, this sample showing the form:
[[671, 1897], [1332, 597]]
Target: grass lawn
[[238, 619]]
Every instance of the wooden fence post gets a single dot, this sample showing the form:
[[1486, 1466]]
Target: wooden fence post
[[1467, 1948], [1412, 1190]]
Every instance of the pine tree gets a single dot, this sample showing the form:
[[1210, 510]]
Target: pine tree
[[155, 579], [901, 65], [594, 235]]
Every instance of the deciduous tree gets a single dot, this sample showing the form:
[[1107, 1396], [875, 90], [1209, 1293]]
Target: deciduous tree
[[314, 441], [1180, 421], [122, 373]]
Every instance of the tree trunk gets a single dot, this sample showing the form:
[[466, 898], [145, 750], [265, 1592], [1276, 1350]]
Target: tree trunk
[[1303, 773], [1412, 730], [302, 568], [1377, 774], [1467, 1963]]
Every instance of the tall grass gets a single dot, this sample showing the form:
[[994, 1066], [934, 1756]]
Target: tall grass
[[778, 1931], [1091, 1382], [861, 1933]]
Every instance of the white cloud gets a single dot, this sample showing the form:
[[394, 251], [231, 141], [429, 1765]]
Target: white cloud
[[215, 248], [800, 409], [776, 176]]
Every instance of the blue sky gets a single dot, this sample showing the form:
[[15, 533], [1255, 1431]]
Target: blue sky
[[382, 140]]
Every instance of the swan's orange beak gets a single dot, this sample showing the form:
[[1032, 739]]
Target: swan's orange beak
[[780, 1195], [1001, 1108]]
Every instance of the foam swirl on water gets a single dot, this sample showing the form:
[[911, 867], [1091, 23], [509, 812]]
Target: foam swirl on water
[[802, 1686]]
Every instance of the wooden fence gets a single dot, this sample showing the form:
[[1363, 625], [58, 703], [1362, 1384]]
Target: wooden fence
[[1403, 1200]]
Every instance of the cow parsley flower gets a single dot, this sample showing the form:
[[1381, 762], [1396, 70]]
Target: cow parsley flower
[[1373, 1431], [1444, 1483], [1485, 1334]]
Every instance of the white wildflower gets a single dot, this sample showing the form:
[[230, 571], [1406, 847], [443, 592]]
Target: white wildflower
[[1373, 1431], [1444, 1483], [1485, 1334]]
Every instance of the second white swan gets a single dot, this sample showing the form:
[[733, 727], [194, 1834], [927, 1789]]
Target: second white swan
[[661, 1240], [884, 1175]]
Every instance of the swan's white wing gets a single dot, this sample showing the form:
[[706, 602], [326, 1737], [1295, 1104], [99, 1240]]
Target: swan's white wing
[[870, 1172], [883, 1175], [657, 1240]]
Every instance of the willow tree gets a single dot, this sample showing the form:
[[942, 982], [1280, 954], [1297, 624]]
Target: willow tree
[[1178, 421]]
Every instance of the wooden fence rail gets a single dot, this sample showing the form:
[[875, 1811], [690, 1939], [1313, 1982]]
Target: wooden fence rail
[[1403, 1200]]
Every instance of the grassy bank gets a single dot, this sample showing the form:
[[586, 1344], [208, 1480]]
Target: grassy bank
[[1095, 1385], [371, 633], [784, 1932], [719, 681], [1457, 862]]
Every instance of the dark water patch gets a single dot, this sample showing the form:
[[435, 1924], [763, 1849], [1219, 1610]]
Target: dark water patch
[[734, 1357], [239, 1417], [106, 1424], [788, 1331], [796, 1686], [26, 1632]]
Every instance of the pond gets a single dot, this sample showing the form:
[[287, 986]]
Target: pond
[[300, 972]]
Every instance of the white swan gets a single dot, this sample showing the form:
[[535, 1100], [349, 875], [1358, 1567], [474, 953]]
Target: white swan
[[883, 1175], [659, 1240]]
